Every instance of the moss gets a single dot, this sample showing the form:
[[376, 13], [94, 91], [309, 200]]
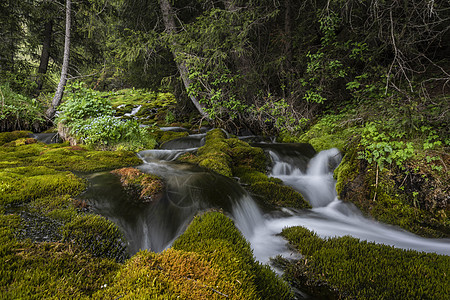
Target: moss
[[165, 136], [96, 235], [270, 190], [379, 196], [24, 184], [330, 131], [6, 137], [60, 208], [225, 156], [279, 195], [64, 157], [363, 270], [148, 187], [47, 270], [215, 237]]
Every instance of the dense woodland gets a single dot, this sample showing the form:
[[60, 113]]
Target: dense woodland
[[369, 77]]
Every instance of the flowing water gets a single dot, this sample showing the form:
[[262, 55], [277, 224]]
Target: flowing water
[[191, 189]]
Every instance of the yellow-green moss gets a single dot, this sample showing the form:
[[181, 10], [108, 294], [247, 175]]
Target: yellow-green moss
[[24, 184], [270, 190], [224, 155], [97, 235], [217, 240], [279, 195], [165, 136], [64, 157], [6, 137], [363, 270]]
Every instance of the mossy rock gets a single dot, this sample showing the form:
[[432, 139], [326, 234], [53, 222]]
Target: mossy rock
[[149, 188], [24, 184], [224, 155], [96, 235], [364, 270], [217, 240], [6, 137], [165, 136], [280, 195]]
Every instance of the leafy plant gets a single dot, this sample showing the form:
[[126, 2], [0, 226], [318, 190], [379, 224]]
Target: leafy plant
[[18, 112]]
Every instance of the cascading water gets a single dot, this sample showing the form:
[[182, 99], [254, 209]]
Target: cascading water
[[331, 217], [191, 189]]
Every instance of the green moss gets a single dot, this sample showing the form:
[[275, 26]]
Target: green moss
[[24, 184], [362, 270], [378, 195], [165, 136], [6, 137], [47, 270], [280, 195], [64, 157], [97, 235], [226, 156], [60, 208], [215, 237]]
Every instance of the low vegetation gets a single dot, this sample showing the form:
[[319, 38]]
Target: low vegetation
[[354, 269]]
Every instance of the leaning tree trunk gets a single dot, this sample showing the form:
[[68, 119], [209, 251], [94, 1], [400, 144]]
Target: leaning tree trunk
[[169, 23], [62, 82], [45, 55]]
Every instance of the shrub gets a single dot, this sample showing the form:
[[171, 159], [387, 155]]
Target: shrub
[[19, 112]]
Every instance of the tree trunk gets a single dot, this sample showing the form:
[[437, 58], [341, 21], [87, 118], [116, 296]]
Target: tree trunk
[[45, 55], [62, 82], [169, 24]]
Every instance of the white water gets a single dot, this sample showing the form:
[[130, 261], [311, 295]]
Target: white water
[[329, 216]]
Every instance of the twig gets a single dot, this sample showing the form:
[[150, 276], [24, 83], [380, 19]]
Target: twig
[[376, 185]]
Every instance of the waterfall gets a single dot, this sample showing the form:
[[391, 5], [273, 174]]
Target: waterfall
[[191, 189]]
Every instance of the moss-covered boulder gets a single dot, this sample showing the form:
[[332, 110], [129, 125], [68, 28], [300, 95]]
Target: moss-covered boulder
[[147, 187], [223, 155], [354, 269], [270, 190]]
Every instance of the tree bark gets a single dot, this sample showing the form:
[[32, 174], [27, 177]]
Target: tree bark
[[62, 82], [45, 55], [169, 24]]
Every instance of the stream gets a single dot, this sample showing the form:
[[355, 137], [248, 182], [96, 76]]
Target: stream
[[191, 189]]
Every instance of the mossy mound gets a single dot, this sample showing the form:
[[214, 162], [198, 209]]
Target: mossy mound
[[217, 240], [6, 137], [24, 184], [64, 157], [223, 155], [96, 235], [148, 187], [165, 136], [380, 195], [331, 131], [270, 190], [362, 270], [47, 270]]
